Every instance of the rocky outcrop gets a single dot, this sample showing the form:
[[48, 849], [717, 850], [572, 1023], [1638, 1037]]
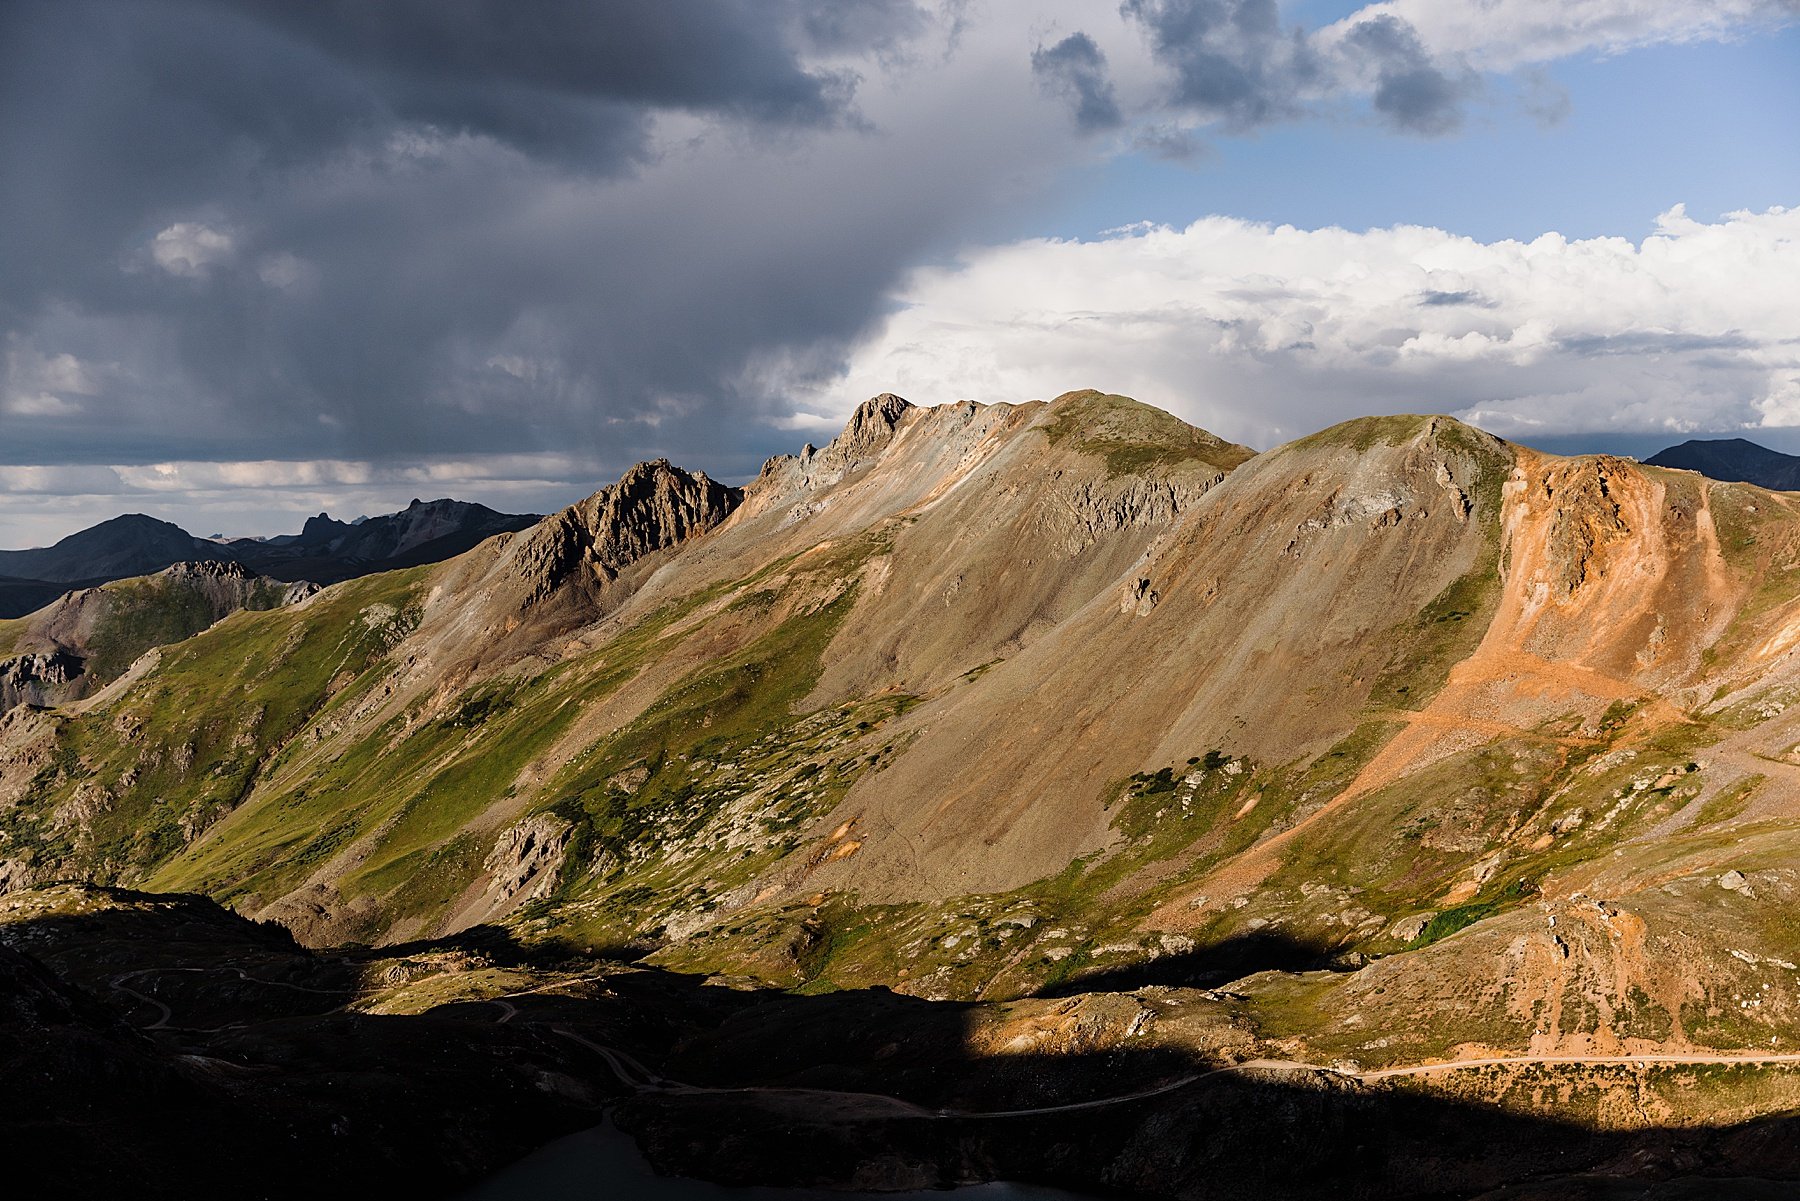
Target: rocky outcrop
[[36, 679], [653, 506], [870, 429], [1589, 518], [318, 915], [233, 583], [1090, 510], [15, 874], [1139, 598], [524, 862]]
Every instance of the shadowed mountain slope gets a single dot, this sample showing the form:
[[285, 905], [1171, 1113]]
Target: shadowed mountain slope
[[327, 551]]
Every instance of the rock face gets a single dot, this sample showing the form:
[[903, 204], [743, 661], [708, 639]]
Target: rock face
[[318, 914], [227, 581], [653, 506], [524, 863], [36, 679], [869, 431], [1139, 598], [871, 427]]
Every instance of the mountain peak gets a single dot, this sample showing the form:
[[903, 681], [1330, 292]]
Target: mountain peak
[[127, 545], [654, 505], [870, 427], [1133, 436], [1735, 460]]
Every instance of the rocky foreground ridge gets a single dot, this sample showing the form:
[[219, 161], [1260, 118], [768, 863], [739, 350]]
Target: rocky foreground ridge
[[1288, 812]]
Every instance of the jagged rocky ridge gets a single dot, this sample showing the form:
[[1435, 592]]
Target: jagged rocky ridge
[[653, 506], [37, 679], [328, 551]]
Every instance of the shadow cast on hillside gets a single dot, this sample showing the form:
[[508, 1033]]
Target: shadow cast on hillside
[[1206, 967], [497, 944], [866, 1088]]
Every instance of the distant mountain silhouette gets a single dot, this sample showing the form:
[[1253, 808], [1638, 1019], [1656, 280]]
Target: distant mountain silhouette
[[324, 552], [1733, 459], [124, 546], [19, 597]]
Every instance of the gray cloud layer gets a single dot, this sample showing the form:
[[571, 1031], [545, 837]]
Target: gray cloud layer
[[295, 228]]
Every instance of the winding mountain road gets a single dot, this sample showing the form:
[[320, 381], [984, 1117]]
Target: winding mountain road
[[1695, 1059], [639, 1078]]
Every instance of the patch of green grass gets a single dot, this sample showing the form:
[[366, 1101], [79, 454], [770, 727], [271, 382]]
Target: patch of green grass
[[1729, 802], [1134, 438], [411, 782], [1365, 433], [186, 745], [1444, 632], [12, 630], [1760, 542], [1461, 917], [731, 729]]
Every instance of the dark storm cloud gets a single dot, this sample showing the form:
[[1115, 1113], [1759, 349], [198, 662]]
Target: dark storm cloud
[[1231, 59], [293, 228], [1075, 69], [856, 24], [489, 64], [1411, 92]]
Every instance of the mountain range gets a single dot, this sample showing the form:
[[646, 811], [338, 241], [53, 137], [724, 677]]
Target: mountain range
[[324, 552], [1049, 791]]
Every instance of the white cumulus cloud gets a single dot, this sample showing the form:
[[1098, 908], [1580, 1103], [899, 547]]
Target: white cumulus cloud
[[1263, 333]]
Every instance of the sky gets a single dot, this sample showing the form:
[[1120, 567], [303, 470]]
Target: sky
[[266, 258]]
